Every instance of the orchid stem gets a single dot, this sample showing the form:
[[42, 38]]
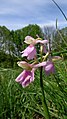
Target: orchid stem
[[45, 107]]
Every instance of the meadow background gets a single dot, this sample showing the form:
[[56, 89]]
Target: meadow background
[[25, 103]]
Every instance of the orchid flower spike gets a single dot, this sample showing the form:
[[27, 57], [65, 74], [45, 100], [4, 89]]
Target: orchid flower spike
[[27, 76]]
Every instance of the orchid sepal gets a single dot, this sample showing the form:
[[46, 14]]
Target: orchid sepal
[[56, 58], [24, 65]]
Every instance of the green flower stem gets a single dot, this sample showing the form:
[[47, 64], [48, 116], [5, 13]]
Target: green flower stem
[[45, 107]]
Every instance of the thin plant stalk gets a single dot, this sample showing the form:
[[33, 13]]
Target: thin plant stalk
[[45, 107], [60, 9]]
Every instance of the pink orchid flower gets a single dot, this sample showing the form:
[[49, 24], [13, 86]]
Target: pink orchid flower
[[48, 67], [25, 78], [29, 52], [31, 40]]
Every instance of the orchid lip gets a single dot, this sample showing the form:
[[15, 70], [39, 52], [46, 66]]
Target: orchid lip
[[26, 77], [29, 52]]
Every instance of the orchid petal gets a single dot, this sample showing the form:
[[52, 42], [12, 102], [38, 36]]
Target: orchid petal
[[26, 81], [40, 64], [32, 54], [29, 40], [26, 77], [29, 52], [42, 41], [49, 68], [20, 77]]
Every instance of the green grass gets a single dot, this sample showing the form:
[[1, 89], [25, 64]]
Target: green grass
[[25, 103]]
